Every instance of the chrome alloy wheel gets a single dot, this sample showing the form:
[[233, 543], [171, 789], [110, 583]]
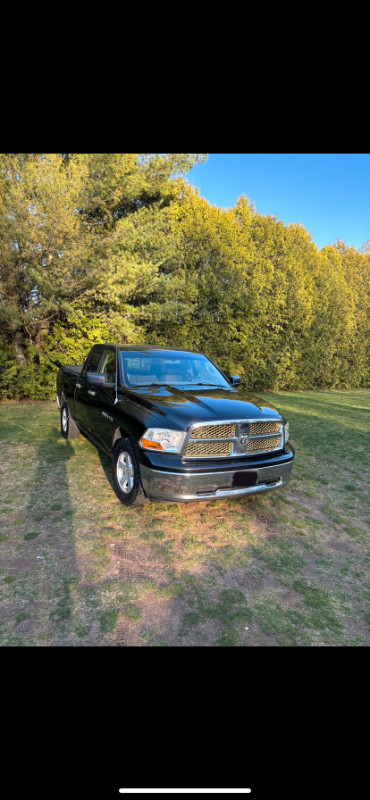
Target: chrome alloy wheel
[[65, 419], [125, 472]]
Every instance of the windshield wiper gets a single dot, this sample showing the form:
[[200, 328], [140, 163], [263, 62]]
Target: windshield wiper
[[142, 385]]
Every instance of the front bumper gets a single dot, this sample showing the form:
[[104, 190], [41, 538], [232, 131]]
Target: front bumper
[[212, 485]]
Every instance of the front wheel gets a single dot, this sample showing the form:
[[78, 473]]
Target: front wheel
[[126, 474]]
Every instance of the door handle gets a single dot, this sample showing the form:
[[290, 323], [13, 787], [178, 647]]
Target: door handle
[[89, 391], [78, 385]]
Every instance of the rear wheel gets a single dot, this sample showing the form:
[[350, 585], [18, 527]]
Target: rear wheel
[[126, 474], [68, 425]]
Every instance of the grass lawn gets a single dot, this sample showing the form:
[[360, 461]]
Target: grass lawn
[[288, 567]]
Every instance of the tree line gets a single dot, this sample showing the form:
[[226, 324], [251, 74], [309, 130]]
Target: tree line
[[122, 248]]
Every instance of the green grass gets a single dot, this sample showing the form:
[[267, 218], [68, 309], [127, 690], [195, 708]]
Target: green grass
[[132, 612], [108, 621], [285, 568]]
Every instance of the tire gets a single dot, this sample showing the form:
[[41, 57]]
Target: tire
[[126, 474], [67, 424]]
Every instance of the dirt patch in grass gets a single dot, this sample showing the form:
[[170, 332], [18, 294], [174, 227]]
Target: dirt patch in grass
[[342, 545]]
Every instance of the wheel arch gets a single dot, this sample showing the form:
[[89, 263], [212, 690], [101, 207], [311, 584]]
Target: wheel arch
[[119, 433]]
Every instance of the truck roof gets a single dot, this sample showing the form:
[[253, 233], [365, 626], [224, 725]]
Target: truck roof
[[147, 347]]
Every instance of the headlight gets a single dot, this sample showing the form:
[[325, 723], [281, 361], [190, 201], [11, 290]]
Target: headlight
[[286, 432], [162, 439]]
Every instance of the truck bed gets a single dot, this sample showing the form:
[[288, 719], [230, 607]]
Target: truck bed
[[69, 368], [67, 378]]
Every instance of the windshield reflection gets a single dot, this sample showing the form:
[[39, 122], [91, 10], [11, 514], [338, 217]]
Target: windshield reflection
[[148, 369]]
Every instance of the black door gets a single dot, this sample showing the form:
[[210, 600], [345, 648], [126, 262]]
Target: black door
[[100, 407], [85, 391]]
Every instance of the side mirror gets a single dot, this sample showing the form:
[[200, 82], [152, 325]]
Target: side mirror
[[234, 380], [95, 377]]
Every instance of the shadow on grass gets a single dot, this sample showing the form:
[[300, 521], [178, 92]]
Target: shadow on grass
[[106, 463], [50, 542]]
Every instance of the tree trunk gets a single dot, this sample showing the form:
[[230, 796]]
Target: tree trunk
[[18, 347]]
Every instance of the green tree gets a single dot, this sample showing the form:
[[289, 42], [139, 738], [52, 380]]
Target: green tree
[[69, 272], [103, 247]]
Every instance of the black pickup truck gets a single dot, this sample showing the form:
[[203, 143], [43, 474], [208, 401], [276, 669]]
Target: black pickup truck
[[176, 427]]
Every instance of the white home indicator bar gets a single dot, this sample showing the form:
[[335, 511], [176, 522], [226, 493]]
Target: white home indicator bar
[[185, 791]]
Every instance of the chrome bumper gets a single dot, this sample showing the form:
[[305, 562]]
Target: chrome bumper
[[185, 487]]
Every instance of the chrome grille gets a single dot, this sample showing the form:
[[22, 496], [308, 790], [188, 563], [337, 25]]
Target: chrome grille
[[202, 449], [260, 445], [214, 432], [257, 428], [240, 438]]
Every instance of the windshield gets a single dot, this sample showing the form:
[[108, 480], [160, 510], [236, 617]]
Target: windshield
[[178, 369]]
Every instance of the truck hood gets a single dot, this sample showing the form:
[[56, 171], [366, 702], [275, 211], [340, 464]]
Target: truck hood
[[180, 407]]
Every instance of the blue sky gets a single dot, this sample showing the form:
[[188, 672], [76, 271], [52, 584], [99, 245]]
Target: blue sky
[[328, 193]]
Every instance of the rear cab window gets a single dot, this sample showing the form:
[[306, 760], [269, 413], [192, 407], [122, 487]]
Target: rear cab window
[[93, 361]]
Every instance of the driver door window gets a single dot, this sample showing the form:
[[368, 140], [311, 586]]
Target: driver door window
[[108, 366]]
